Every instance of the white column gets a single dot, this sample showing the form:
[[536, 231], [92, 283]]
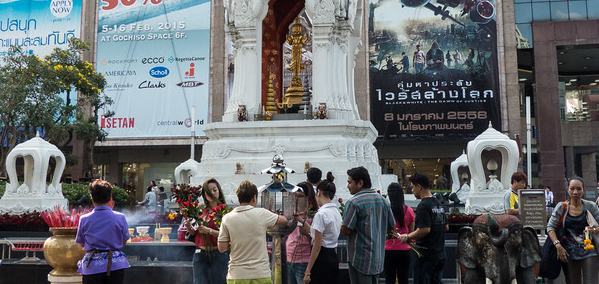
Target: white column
[[353, 46], [333, 52], [341, 108], [245, 27], [322, 60]]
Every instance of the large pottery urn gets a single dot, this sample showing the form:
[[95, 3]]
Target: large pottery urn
[[62, 252]]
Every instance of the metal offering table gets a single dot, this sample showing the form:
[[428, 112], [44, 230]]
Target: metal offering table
[[23, 245]]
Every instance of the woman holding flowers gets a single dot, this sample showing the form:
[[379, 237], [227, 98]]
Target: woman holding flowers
[[209, 265], [573, 244], [397, 253], [323, 266]]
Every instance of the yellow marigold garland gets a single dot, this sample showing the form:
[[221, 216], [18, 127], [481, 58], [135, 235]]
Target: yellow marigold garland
[[588, 244]]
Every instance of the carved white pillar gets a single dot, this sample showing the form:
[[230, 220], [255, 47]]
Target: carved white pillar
[[332, 28], [323, 19], [244, 24], [340, 107], [353, 46]]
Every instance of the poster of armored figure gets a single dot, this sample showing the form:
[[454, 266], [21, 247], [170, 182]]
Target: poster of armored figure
[[433, 69]]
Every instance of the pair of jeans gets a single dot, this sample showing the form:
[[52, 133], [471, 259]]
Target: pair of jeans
[[210, 267], [419, 67], [582, 271], [428, 271], [357, 277], [295, 272]]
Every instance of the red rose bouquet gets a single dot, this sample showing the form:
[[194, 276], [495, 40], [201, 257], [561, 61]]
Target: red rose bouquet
[[219, 212], [188, 199]]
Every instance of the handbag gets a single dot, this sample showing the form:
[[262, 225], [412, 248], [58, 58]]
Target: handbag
[[551, 267]]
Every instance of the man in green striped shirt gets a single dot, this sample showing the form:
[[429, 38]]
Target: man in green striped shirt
[[366, 218]]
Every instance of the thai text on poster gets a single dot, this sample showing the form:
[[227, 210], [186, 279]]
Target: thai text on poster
[[433, 69], [38, 26]]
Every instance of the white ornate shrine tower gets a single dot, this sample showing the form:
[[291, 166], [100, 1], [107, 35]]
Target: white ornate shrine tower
[[239, 150]]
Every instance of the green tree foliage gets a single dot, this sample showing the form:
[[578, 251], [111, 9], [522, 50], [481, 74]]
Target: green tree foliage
[[74, 191], [31, 98]]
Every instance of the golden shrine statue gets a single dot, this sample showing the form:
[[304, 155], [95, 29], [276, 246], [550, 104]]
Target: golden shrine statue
[[297, 41]]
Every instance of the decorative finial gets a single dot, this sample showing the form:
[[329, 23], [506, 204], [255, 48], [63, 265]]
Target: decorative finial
[[490, 124], [37, 133]]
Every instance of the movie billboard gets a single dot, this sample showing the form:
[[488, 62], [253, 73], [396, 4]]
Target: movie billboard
[[433, 69], [155, 55], [38, 26]]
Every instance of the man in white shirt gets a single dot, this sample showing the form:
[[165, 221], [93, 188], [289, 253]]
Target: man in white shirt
[[548, 195], [549, 200], [419, 59], [244, 231], [150, 201]]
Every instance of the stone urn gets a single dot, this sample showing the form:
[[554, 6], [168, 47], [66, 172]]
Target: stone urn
[[62, 252]]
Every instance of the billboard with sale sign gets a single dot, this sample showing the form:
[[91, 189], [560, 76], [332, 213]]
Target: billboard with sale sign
[[155, 56]]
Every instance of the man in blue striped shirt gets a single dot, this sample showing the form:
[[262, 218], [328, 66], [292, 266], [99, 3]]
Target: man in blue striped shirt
[[366, 218]]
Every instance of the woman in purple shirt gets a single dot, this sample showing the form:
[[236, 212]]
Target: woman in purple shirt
[[102, 233]]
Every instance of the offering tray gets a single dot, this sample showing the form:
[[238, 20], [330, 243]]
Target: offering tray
[[27, 245], [136, 240]]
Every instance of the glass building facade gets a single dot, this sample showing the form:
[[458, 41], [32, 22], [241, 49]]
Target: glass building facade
[[528, 11]]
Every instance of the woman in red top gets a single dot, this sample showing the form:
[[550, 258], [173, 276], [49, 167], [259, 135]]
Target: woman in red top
[[397, 253], [209, 265]]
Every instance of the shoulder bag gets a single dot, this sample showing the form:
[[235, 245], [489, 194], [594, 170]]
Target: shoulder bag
[[551, 266]]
